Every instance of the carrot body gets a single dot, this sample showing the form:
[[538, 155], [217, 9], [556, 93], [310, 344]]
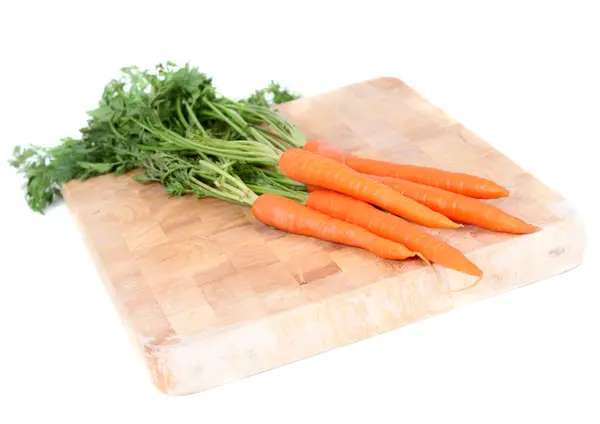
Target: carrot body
[[460, 208], [390, 227], [465, 184], [313, 169], [291, 216]]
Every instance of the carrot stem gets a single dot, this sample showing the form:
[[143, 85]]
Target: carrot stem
[[259, 189], [180, 114]]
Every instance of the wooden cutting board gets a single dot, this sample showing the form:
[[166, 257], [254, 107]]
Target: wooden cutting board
[[210, 295]]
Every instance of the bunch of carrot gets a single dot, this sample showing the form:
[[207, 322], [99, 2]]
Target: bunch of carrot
[[382, 206], [173, 125], [315, 189]]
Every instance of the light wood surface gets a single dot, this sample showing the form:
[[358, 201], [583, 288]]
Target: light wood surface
[[210, 295]]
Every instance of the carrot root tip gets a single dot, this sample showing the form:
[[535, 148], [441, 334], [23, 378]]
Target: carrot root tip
[[424, 258], [466, 288]]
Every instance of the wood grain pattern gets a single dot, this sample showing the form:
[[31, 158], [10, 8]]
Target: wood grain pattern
[[211, 295]]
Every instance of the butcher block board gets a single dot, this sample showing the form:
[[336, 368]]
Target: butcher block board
[[210, 295]]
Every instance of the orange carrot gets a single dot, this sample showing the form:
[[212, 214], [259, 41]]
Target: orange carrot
[[465, 184], [460, 208], [310, 168], [390, 227], [291, 216], [311, 188]]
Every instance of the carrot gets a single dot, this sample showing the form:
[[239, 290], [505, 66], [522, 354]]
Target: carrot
[[460, 208], [291, 216], [310, 168], [465, 184], [390, 227], [311, 188]]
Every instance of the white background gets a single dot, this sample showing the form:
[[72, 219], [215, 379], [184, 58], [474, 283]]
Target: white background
[[524, 75]]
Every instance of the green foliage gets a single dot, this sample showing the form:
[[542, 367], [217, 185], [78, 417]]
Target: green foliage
[[273, 94], [171, 123]]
